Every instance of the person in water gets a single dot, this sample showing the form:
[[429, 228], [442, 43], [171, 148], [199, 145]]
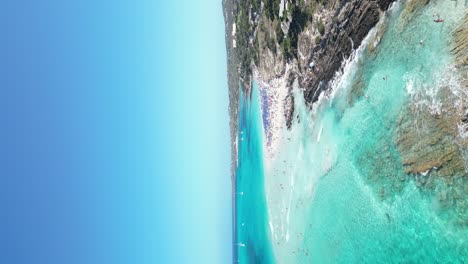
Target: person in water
[[439, 19]]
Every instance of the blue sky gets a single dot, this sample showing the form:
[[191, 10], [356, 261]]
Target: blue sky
[[115, 137]]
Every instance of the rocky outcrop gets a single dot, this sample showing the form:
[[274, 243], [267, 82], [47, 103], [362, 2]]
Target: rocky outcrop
[[433, 139], [433, 151], [351, 23], [432, 146], [322, 32], [460, 45], [384, 4]]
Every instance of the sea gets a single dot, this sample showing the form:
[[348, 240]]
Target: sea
[[336, 190]]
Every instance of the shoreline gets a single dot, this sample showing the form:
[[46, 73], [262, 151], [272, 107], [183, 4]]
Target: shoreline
[[274, 94], [281, 189]]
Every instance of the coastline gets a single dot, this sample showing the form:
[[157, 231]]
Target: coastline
[[233, 110], [284, 105], [253, 244], [284, 72], [274, 101]]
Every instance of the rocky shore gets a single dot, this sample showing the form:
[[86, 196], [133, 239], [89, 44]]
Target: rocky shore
[[324, 33], [320, 33], [308, 42], [350, 23]]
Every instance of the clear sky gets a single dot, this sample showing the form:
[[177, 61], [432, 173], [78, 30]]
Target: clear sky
[[114, 132]]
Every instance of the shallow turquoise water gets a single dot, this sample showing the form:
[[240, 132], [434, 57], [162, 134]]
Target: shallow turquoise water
[[336, 192], [253, 243], [350, 222]]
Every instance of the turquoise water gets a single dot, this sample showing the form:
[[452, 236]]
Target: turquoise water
[[350, 222], [336, 191], [253, 243]]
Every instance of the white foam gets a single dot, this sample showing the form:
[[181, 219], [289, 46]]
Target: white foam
[[342, 78], [320, 133], [302, 161]]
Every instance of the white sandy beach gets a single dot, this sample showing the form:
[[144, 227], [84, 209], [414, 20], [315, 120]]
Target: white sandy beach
[[277, 92]]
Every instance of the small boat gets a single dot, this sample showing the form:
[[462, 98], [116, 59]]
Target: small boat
[[439, 20]]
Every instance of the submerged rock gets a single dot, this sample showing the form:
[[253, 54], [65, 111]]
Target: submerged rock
[[431, 140], [460, 51], [408, 12], [436, 138]]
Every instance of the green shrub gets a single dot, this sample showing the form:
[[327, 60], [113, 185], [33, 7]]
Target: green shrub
[[279, 32], [287, 50], [272, 9], [317, 40], [321, 28]]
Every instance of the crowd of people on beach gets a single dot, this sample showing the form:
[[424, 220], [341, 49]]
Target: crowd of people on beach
[[273, 94]]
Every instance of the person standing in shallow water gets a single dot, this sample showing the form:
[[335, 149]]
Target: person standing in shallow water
[[438, 19]]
